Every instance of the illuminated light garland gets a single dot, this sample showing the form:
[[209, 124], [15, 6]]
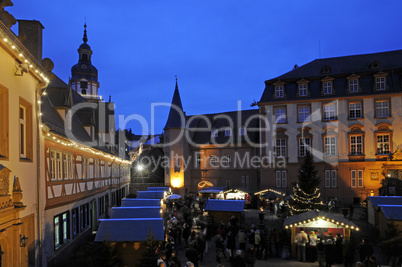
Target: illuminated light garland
[[323, 218], [86, 149]]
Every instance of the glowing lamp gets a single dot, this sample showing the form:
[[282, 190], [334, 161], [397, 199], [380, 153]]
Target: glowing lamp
[[177, 181]]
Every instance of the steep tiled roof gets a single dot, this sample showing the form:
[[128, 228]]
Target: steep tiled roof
[[199, 133], [365, 65], [176, 113]]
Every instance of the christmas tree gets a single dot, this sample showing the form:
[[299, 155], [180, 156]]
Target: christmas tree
[[149, 257], [306, 193]]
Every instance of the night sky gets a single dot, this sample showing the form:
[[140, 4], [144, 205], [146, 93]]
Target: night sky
[[221, 50]]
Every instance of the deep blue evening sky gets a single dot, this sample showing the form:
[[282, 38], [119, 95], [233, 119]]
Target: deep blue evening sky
[[221, 50]]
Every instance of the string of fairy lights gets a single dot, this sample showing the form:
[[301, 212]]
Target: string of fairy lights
[[25, 57], [68, 143], [299, 196], [323, 218]]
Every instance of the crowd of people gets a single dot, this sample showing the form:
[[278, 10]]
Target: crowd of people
[[330, 249]]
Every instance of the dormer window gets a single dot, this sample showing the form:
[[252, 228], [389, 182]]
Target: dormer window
[[84, 87], [279, 91], [380, 83], [326, 70], [327, 87], [353, 86], [303, 89]]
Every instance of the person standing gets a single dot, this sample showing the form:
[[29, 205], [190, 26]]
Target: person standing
[[242, 237], [257, 243], [320, 252], [301, 240], [219, 246], [231, 243], [313, 247], [329, 252], [365, 250], [192, 254], [338, 249]]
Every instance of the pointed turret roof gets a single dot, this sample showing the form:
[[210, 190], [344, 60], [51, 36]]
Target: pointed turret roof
[[176, 117]]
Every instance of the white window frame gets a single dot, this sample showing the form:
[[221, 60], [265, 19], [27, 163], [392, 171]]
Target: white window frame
[[52, 165], [280, 147], [245, 181], [280, 114], [304, 113], [382, 109], [356, 178], [353, 85], [197, 160], [356, 144], [303, 89], [329, 112], [226, 160], [327, 183], [355, 108], [213, 161], [327, 87], [23, 131], [228, 132], [284, 178], [96, 168], [281, 178], [59, 165], [382, 143], [330, 146], [380, 83], [334, 179], [304, 146], [279, 91]]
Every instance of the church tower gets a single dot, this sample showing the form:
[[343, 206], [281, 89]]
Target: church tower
[[84, 78], [175, 149]]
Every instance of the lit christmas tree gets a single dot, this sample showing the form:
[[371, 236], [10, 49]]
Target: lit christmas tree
[[306, 193]]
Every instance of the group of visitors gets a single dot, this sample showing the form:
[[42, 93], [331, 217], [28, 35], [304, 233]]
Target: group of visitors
[[329, 249]]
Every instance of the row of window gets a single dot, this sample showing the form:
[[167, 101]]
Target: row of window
[[61, 166], [24, 131], [328, 87], [228, 132], [330, 178], [69, 224], [382, 109], [356, 145]]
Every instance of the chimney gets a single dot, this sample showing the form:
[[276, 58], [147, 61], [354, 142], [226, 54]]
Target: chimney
[[30, 34]]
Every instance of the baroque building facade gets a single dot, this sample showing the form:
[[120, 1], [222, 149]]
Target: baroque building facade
[[347, 112]]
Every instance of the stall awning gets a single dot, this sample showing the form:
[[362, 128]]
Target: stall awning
[[136, 212], [161, 188], [129, 230], [139, 202], [385, 200], [224, 205], [151, 194], [392, 212], [316, 218]]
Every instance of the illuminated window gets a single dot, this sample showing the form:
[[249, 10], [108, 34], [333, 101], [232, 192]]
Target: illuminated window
[[61, 229], [75, 221], [356, 145], [304, 113], [280, 114], [383, 144]]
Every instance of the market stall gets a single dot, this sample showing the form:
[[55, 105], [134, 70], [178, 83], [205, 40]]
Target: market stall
[[223, 210], [235, 194], [322, 223]]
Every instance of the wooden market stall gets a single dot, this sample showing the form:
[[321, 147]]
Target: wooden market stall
[[235, 194], [323, 223], [223, 210]]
